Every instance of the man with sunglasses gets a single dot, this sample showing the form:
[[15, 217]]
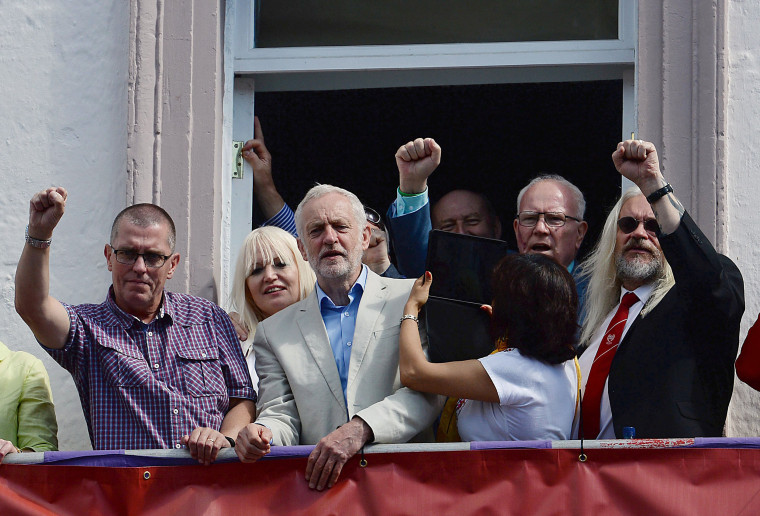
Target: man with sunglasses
[[154, 369], [377, 255], [663, 308]]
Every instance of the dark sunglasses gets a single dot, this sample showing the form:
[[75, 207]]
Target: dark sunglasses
[[629, 225], [374, 217]]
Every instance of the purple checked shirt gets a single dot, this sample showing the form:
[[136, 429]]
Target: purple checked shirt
[[147, 385]]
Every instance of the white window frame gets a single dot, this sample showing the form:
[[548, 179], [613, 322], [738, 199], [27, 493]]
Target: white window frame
[[348, 67]]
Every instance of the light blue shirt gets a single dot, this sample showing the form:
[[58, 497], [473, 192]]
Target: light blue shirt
[[340, 322]]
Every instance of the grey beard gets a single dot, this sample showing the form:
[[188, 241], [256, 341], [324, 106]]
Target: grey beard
[[643, 271]]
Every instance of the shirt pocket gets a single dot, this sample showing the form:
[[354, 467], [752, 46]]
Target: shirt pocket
[[122, 363], [200, 366]]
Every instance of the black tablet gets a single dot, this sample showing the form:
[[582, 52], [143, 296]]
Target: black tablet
[[458, 329]]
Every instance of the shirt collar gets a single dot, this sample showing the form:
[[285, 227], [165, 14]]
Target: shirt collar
[[127, 320], [4, 352], [571, 267], [643, 292], [357, 287]]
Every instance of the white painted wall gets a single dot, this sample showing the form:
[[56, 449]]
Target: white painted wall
[[743, 135], [63, 121]]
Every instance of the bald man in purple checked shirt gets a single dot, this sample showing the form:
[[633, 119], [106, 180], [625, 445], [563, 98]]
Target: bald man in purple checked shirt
[[154, 369]]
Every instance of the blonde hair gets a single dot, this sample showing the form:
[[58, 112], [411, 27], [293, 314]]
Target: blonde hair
[[603, 292], [263, 246]]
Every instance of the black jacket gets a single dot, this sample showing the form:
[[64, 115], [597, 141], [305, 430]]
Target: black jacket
[[673, 374]]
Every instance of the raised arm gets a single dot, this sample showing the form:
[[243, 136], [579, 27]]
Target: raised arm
[[256, 154], [637, 160], [45, 315], [409, 226], [416, 160], [463, 379]]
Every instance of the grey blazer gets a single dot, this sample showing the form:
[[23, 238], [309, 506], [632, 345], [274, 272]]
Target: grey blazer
[[300, 395]]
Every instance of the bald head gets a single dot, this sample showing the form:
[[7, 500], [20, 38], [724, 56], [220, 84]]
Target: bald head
[[467, 213]]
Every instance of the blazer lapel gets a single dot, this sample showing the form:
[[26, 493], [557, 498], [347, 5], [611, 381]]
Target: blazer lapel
[[309, 320], [370, 308]]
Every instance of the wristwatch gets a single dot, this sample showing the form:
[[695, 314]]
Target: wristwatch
[[36, 242]]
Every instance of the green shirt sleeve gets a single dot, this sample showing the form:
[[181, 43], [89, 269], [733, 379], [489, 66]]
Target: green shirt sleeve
[[37, 426]]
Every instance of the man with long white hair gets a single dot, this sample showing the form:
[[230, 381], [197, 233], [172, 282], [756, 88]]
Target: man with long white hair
[[662, 314]]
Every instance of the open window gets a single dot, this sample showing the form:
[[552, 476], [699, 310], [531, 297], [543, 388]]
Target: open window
[[509, 90]]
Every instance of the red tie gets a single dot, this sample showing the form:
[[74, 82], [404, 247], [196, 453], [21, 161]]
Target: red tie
[[600, 369]]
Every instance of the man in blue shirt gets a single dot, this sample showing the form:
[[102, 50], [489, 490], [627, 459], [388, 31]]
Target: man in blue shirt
[[331, 360]]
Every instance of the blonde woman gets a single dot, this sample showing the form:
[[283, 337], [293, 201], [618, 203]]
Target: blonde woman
[[270, 275]]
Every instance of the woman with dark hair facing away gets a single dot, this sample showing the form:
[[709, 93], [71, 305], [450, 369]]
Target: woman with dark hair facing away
[[528, 388]]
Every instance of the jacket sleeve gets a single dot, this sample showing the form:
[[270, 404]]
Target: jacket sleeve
[[709, 283], [748, 363], [409, 237], [405, 413], [276, 406]]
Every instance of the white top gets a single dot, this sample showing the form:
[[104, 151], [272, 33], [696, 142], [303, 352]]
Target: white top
[[606, 428], [250, 360], [536, 401]]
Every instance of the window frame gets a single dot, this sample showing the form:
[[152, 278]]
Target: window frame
[[348, 67]]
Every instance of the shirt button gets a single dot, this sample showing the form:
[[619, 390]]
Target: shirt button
[[150, 334], [175, 411], [347, 314], [203, 355], [155, 366], [348, 344], [178, 445]]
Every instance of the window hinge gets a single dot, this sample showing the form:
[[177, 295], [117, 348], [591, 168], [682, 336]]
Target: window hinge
[[237, 165]]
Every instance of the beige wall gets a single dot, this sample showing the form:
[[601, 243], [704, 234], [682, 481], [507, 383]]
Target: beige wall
[[122, 103], [175, 128], [743, 189]]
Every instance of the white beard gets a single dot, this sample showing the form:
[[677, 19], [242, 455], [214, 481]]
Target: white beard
[[640, 269]]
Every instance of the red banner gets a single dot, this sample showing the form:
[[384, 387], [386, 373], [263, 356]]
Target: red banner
[[508, 481]]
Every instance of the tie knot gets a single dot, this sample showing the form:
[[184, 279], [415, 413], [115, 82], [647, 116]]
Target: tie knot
[[629, 299]]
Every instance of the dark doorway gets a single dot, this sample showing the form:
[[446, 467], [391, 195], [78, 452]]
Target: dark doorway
[[494, 139]]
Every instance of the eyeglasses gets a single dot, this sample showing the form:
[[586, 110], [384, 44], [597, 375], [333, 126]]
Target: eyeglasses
[[374, 217], [629, 225], [553, 219], [129, 257]]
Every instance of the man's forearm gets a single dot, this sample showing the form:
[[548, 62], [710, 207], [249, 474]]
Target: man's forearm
[[241, 413], [269, 199], [42, 313]]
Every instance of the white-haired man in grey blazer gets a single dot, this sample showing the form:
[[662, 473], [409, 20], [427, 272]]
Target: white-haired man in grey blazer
[[328, 365]]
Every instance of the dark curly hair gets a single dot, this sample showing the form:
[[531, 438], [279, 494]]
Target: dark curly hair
[[535, 305]]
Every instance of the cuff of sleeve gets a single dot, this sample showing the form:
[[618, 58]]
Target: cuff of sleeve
[[409, 203], [285, 219]]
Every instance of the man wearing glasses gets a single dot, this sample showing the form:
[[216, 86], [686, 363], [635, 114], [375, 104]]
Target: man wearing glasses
[[549, 221], [661, 328], [377, 255], [154, 369]]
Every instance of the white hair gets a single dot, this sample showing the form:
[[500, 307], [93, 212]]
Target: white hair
[[579, 200], [263, 246], [599, 268], [320, 191]]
